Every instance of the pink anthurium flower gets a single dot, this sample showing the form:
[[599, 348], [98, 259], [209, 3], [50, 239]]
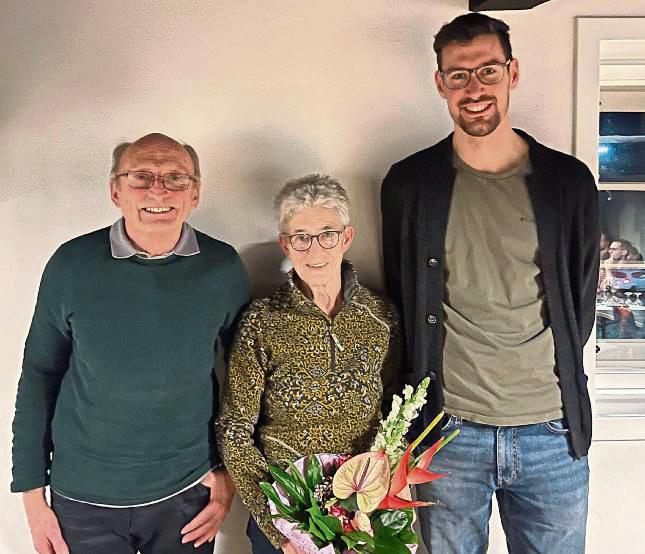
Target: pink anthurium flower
[[367, 475], [404, 477]]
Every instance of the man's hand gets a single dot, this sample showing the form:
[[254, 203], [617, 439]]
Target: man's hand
[[291, 548], [45, 531], [205, 525]]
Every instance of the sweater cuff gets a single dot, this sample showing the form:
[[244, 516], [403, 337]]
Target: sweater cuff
[[24, 484], [265, 523]]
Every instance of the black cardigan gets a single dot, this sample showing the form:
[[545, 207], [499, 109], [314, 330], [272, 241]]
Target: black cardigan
[[415, 201]]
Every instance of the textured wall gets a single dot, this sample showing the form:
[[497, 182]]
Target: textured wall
[[266, 91]]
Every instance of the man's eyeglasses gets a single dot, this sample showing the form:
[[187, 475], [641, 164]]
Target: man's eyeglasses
[[489, 74], [303, 241], [146, 180]]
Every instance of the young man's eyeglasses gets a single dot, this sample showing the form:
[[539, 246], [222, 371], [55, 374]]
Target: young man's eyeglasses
[[303, 241], [489, 74], [146, 180]]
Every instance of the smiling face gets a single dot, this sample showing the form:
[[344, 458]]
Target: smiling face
[[477, 109], [154, 211], [318, 266]]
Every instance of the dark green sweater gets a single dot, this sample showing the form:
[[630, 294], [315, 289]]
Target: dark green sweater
[[117, 382]]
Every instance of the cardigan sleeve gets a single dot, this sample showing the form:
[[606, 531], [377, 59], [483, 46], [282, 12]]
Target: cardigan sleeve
[[46, 359], [239, 414], [590, 254], [391, 236]]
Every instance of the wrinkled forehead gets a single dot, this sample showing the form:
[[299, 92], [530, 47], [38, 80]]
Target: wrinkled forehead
[[157, 153], [481, 50]]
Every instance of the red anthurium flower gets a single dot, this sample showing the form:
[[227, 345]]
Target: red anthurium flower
[[404, 477]]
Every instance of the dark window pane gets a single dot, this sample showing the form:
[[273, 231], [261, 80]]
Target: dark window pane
[[621, 152]]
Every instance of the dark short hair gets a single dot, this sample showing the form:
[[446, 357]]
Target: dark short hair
[[465, 28]]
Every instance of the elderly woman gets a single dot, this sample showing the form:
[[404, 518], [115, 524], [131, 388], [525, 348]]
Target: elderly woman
[[310, 364]]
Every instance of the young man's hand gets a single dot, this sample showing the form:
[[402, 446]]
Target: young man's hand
[[43, 524], [205, 525]]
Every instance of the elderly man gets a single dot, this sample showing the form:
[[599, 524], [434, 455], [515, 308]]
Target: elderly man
[[117, 397], [490, 242]]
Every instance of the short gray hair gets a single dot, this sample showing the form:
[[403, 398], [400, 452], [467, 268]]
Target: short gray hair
[[119, 149], [308, 192]]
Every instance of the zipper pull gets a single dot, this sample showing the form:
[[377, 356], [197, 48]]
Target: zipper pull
[[337, 342]]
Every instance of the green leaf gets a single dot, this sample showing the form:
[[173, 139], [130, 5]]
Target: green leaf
[[389, 545], [331, 502], [297, 476], [390, 522], [314, 475], [314, 530], [290, 486], [349, 503], [287, 511], [332, 523], [351, 543], [362, 537], [314, 504], [408, 536], [329, 534]]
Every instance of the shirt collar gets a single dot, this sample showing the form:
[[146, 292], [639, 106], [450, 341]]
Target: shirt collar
[[122, 247]]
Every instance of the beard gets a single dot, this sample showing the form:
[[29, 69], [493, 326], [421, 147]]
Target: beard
[[482, 127], [485, 126]]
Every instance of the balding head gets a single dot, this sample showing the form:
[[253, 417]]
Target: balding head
[[156, 144]]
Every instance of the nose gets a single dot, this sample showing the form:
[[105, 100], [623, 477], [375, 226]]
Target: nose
[[474, 86], [315, 245], [157, 186]]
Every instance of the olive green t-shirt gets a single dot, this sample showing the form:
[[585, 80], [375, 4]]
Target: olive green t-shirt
[[499, 357]]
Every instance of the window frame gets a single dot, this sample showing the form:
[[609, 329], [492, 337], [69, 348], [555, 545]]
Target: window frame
[[616, 380]]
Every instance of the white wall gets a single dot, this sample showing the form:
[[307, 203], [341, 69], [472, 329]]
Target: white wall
[[265, 90]]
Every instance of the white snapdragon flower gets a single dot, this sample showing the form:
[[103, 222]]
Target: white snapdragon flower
[[392, 431]]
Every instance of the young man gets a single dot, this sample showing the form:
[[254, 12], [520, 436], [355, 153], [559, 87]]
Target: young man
[[490, 244], [117, 397]]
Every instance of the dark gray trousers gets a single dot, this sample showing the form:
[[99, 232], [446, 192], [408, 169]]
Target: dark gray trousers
[[152, 529]]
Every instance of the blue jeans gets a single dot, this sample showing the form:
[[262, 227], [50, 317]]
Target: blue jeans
[[541, 490]]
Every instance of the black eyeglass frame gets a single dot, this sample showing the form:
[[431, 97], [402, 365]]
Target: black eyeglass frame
[[474, 70], [154, 177], [317, 237]]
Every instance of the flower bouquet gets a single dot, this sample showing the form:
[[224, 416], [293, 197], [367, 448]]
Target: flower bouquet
[[335, 504]]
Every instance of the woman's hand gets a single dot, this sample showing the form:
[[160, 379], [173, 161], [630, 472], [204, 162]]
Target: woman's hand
[[291, 548]]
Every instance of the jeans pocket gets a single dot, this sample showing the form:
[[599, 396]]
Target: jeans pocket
[[556, 426]]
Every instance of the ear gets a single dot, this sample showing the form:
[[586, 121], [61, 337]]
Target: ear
[[347, 237], [441, 88], [196, 191], [284, 244], [514, 72], [115, 192]]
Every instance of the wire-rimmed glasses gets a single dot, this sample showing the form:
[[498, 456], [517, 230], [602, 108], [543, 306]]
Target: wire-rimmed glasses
[[146, 180]]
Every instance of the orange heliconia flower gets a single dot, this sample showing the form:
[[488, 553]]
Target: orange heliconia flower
[[404, 477]]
